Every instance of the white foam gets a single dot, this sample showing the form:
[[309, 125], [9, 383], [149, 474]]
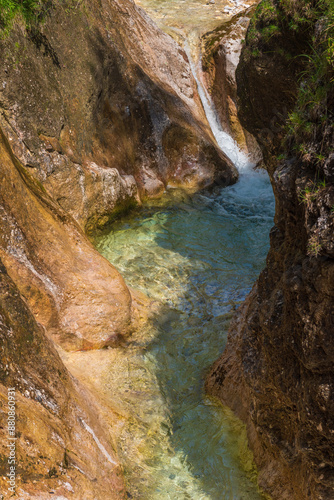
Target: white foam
[[224, 140]]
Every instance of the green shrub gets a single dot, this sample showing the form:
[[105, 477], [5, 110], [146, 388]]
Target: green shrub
[[311, 112], [9, 9]]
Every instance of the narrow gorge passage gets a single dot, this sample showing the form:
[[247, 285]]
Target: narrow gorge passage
[[166, 304], [198, 257]]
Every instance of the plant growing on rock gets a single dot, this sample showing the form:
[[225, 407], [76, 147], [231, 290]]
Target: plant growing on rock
[[311, 192], [314, 246], [31, 12], [9, 9], [307, 196], [311, 112]]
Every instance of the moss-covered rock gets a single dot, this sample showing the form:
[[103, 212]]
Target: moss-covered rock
[[278, 40]]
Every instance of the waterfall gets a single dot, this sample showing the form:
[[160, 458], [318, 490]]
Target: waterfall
[[224, 140]]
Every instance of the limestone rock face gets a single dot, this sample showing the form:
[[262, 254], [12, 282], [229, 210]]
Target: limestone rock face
[[62, 449], [88, 100], [277, 370]]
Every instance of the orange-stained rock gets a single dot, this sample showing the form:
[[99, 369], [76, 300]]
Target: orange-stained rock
[[77, 294], [63, 448], [89, 100]]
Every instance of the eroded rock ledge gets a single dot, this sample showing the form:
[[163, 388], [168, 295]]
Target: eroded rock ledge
[[277, 370]]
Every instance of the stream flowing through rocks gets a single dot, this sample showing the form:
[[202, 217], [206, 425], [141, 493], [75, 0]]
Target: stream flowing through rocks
[[197, 256]]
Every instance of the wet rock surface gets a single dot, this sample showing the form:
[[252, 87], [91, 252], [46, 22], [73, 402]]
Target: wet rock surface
[[90, 116], [79, 297], [221, 54]]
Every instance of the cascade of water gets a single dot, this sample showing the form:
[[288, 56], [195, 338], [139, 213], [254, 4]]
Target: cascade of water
[[224, 140], [198, 256]]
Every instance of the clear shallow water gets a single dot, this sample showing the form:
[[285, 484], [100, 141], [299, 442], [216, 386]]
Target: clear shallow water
[[192, 15], [199, 257]]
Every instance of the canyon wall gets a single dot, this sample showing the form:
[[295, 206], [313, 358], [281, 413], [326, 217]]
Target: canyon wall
[[102, 108], [276, 372], [99, 110]]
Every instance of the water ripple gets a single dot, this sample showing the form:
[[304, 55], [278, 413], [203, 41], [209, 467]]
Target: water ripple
[[199, 256]]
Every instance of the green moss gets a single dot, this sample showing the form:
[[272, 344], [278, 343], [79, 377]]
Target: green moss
[[274, 18], [31, 12], [255, 52], [27, 9]]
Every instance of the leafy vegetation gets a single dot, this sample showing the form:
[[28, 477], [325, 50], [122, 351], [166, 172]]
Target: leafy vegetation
[[310, 124], [28, 10], [314, 246], [299, 35], [273, 18], [31, 12], [310, 193], [302, 33], [312, 110]]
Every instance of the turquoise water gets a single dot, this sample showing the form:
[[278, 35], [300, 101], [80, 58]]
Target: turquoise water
[[198, 256]]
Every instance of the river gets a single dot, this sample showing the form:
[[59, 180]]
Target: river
[[197, 256]]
